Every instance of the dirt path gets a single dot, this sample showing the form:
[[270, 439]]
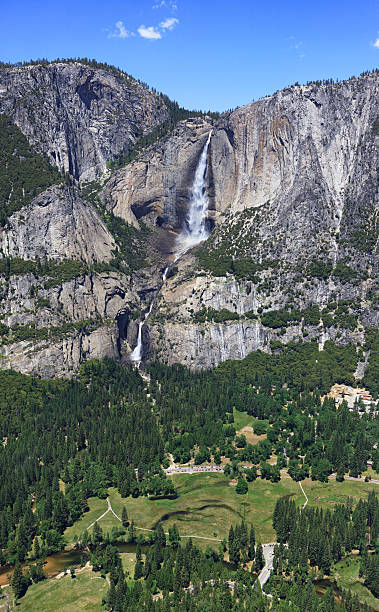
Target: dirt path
[[110, 509], [305, 495]]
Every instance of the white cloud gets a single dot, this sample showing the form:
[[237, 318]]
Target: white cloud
[[169, 23], [171, 4], [121, 31], [376, 43], [149, 32]]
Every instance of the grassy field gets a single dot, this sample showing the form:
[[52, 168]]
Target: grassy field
[[346, 573], [327, 494], [242, 419], [207, 504], [128, 563], [96, 508], [65, 594]]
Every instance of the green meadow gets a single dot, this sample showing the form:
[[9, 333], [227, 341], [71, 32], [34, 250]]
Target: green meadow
[[207, 505]]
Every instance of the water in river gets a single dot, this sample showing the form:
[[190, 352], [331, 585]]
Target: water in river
[[58, 562]]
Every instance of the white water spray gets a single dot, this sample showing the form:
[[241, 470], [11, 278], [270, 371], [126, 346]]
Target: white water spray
[[194, 230], [136, 354]]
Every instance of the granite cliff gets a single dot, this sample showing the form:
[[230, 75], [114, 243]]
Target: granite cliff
[[293, 202], [80, 116]]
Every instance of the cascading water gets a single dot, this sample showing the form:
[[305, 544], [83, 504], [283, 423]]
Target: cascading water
[[136, 354], [195, 230]]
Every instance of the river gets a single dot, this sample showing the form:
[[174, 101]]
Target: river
[[59, 561]]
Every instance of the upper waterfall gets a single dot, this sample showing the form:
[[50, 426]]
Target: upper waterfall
[[194, 229]]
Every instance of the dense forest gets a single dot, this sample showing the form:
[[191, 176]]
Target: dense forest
[[172, 576], [316, 538], [104, 429]]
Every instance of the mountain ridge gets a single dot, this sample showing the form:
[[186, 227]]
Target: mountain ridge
[[277, 178]]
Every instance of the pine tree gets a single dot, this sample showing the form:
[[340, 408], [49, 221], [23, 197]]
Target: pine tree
[[97, 534], [19, 583], [124, 517], [326, 559], [259, 558], [138, 570], [251, 550], [173, 536], [132, 532], [36, 549], [328, 602], [372, 575], [111, 596], [241, 487]]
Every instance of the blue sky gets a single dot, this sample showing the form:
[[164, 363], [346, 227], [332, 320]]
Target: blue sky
[[211, 54]]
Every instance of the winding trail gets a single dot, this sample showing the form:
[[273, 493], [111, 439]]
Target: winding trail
[[102, 516], [110, 509]]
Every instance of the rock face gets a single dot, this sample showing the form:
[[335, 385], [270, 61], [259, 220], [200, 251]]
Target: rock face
[[58, 224], [292, 182], [156, 187], [79, 116], [305, 157], [60, 359], [293, 202]]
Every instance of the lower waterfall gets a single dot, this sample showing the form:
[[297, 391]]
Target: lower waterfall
[[136, 354]]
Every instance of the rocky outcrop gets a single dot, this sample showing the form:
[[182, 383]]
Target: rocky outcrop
[[58, 224], [60, 358], [80, 116], [305, 158], [293, 179]]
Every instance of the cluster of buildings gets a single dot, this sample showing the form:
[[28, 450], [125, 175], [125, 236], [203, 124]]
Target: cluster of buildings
[[356, 398]]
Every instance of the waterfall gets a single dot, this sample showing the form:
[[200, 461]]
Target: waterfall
[[136, 354], [194, 230]]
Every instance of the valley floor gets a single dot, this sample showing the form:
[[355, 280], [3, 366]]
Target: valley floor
[[206, 506]]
